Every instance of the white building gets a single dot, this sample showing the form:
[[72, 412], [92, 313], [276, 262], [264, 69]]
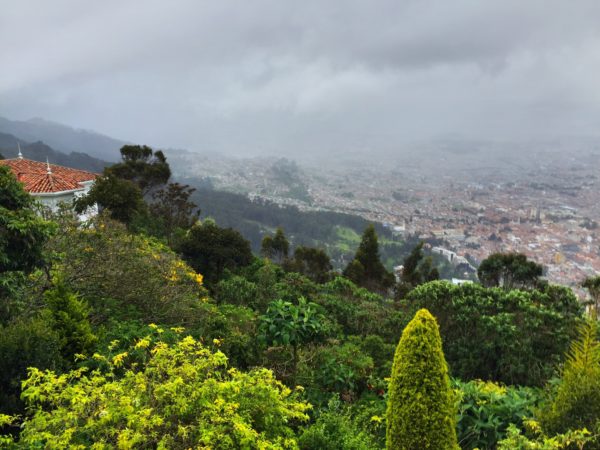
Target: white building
[[50, 184]]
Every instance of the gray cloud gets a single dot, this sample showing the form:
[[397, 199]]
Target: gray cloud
[[272, 75]]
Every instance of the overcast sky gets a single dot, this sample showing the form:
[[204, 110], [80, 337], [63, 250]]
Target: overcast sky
[[258, 76]]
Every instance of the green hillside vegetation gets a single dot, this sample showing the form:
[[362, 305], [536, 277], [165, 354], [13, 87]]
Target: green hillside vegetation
[[162, 331]]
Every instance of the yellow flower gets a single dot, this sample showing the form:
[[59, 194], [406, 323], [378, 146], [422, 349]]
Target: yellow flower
[[143, 343], [118, 359], [199, 278]]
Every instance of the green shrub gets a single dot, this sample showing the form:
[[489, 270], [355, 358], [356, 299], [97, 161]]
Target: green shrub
[[487, 409], [68, 316], [342, 368], [513, 337], [421, 412], [25, 343], [335, 429], [515, 440], [236, 291], [575, 402]]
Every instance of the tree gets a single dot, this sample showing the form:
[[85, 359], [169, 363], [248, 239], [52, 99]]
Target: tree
[[143, 166], [266, 247], [23, 234], [210, 250], [575, 403], [287, 324], [125, 276], [123, 198], [416, 270], [276, 247], [373, 274], [311, 262], [592, 284], [174, 209], [165, 396], [420, 411], [509, 271]]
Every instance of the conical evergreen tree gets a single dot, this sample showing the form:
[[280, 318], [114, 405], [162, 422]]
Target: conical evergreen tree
[[374, 274], [420, 410]]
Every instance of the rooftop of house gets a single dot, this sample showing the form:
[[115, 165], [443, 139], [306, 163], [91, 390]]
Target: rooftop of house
[[44, 178]]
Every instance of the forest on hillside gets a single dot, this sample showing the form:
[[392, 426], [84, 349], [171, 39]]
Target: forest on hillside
[[149, 328]]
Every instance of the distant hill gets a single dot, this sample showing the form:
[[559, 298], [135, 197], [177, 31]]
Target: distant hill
[[39, 151], [63, 138]]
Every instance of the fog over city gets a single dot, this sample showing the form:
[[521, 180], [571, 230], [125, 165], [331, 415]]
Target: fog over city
[[282, 77]]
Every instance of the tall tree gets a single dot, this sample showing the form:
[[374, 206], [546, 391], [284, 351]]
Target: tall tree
[[371, 272], [420, 411], [417, 269], [210, 249], [147, 168], [173, 208], [276, 248], [22, 231], [23, 234]]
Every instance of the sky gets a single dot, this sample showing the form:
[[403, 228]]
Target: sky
[[267, 76]]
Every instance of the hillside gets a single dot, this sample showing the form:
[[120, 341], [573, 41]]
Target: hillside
[[39, 151], [62, 137]]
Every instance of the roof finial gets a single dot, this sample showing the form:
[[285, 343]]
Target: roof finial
[[49, 172], [20, 155]]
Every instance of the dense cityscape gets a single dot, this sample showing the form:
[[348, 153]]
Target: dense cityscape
[[542, 204]]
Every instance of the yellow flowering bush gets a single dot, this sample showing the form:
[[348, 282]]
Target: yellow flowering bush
[[182, 396]]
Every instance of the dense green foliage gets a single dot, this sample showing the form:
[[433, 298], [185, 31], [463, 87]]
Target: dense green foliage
[[121, 197], [211, 250], [313, 263], [516, 337], [158, 395], [486, 411], [285, 323], [293, 331], [420, 410], [22, 232]]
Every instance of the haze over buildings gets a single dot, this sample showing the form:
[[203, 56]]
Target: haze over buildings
[[286, 77]]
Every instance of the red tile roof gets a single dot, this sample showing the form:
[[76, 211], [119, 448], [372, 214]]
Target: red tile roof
[[36, 179]]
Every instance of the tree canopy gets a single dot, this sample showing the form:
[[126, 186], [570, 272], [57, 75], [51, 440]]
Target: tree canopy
[[509, 271]]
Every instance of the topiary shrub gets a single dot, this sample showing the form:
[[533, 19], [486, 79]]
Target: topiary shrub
[[420, 411]]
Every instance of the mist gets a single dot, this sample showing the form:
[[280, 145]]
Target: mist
[[292, 78]]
